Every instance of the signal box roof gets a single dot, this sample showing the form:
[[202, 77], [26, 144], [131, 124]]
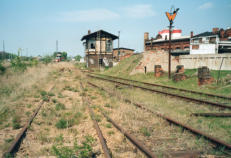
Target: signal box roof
[[102, 33]]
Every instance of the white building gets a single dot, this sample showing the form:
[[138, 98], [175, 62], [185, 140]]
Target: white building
[[210, 43]]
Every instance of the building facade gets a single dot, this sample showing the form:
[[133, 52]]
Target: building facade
[[122, 53], [215, 42], [98, 48], [180, 45]]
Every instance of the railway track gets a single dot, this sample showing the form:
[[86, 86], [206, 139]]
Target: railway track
[[15, 145], [217, 142], [129, 136], [179, 93], [168, 87]]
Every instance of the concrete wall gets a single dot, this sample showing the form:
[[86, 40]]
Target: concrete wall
[[152, 58], [212, 61]]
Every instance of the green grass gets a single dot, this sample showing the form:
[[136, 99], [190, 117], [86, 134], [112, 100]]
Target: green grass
[[83, 150], [61, 124], [16, 122], [124, 68], [145, 131], [60, 106]]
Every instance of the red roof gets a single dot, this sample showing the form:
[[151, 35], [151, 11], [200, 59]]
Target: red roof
[[173, 31]]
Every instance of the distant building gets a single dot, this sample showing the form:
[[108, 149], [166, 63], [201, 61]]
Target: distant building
[[215, 42], [180, 45], [82, 60], [58, 57], [98, 48], [122, 53]]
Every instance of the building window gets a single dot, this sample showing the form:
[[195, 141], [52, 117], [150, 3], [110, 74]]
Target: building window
[[195, 47], [109, 46], [91, 44], [212, 40], [100, 61], [186, 47]]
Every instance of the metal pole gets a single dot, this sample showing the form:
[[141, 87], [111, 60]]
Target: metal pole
[[118, 44], [3, 49], [169, 55]]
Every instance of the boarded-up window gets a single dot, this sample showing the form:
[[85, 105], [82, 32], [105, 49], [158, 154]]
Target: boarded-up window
[[212, 40], [195, 46]]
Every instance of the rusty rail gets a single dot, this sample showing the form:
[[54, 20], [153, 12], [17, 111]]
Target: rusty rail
[[212, 139], [136, 142], [17, 141], [212, 114], [97, 128], [166, 93], [169, 87]]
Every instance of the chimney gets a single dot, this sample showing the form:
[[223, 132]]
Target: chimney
[[222, 33], [89, 32], [146, 36], [215, 30], [191, 34]]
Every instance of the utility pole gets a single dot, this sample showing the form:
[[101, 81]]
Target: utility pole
[[3, 52], [171, 16], [118, 44], [57, 45]]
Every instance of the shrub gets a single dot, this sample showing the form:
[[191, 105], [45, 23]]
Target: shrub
[[59, 106], [108, 125], [51, 94], [81, 151], [18, 65], [45, 98], [16, 122], [54, 100], [61, 124], [43, 93], [145, 131], [47, 59], [2, 68]]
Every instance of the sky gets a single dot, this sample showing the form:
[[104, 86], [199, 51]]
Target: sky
[[35, 25]]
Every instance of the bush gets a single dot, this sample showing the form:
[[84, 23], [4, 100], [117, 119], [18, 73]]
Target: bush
[[18, 65], [84, 150], [2, 68], [43, 93], [60, 106], [145, 131], [16, 122], [47, 59], [61, 124]]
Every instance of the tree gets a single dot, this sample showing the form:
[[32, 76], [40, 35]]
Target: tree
[[64, 55], [78, 57]]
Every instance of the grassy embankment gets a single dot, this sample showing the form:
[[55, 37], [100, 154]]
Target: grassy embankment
[[124, 68]]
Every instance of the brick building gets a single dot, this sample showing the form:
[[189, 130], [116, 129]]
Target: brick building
[[180, 44], [99, 48], [122, 53]]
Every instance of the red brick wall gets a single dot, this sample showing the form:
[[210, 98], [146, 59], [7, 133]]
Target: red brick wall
[[165, 45]]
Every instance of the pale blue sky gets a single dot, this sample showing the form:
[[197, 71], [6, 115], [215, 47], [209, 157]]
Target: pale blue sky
[[35, 25]]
